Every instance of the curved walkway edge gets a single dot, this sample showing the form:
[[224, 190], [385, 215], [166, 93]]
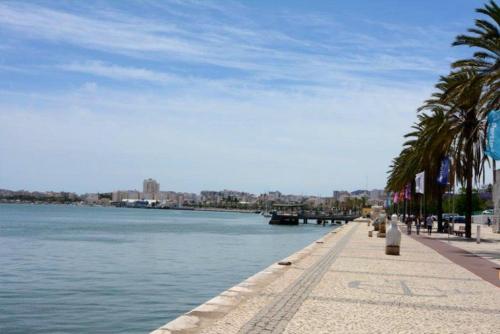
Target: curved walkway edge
[[204, 315], [483, 268], [345, 283], [276, 315]]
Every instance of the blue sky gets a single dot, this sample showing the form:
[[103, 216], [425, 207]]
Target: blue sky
[[300, 96]]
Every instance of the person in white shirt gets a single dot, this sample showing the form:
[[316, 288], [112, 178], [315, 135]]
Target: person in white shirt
[[429, 223]]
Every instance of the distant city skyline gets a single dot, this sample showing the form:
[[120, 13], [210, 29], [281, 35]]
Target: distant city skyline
[[301, 97], [151, 190], [152, 195]]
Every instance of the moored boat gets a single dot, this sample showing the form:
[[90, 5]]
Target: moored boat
[[286, 214]]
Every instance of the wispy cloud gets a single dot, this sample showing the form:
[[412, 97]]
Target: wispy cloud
[[202, 81], [167, 135], [263, 53], [118, 35], [102, 69]]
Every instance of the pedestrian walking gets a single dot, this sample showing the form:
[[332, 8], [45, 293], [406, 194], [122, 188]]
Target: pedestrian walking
[[418, 224], [446, 227], [488, 221], [429, 223]]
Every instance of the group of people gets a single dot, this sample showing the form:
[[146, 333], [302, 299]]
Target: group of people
[[428, 222]]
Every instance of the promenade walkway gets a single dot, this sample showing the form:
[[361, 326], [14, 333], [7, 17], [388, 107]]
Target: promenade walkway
[[483, 259], [489, 248], [346, 284]]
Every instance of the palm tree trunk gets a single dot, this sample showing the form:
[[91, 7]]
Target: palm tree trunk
[[440, 208], [469, 163], [468, 200], [404, 209]]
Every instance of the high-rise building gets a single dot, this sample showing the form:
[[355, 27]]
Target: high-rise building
[[151, 189]]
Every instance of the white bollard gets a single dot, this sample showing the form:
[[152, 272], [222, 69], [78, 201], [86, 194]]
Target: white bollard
[[393, 238], [478, 234]]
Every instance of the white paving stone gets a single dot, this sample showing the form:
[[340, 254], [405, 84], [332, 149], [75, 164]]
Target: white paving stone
[[348, 285]]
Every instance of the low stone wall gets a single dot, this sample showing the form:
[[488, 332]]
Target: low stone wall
[[217, 307]]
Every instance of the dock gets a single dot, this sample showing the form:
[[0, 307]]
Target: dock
[[293, 214]]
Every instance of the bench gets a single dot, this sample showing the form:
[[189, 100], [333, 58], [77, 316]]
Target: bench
[[460, 232]]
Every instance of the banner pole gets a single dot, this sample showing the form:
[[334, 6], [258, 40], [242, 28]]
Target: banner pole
[[453, 208], [421, 197], [494, 169]]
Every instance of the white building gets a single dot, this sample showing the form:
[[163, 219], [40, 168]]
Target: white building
[[91, 198], [273, 195], [120, 195], [376, 194], [343, 197], [340, 195]]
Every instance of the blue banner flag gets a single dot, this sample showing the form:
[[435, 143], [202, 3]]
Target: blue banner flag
[[420, 183], [387, 202], [444, 171], [493, 135]]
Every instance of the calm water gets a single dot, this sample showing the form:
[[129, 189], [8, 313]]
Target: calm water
[[117, 270]]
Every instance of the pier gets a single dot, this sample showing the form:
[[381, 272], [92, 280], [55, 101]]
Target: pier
[[293, 214]]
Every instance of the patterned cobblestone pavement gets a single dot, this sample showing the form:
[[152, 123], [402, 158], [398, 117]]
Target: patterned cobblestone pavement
[[275, 317], [346, 284]]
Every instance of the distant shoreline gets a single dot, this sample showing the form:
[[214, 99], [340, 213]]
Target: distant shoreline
[[223, 210], [153, 208]]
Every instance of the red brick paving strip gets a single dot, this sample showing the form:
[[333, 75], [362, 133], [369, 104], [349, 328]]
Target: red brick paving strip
[[475, 264]]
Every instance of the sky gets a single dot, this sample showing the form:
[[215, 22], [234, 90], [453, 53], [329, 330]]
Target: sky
[[305, 97]]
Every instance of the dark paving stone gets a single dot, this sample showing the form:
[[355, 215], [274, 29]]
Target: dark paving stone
[[481, 267], [276, 315]]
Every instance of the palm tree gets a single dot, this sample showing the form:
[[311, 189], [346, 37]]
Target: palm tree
[[407, 163], [486, 60], [436, 145], [469, 93], [456, 122], [459, 95], [427, 144]]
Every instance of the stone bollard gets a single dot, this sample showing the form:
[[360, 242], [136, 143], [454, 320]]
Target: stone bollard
[[393, 239], [381, 228], [478, 234], [370, 233]]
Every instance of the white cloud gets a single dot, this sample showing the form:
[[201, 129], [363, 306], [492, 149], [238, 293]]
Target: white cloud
[[246, 107], [265, 53], [259, 139], [118, 72]]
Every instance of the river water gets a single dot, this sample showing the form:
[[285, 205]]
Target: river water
[[115, 270]]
